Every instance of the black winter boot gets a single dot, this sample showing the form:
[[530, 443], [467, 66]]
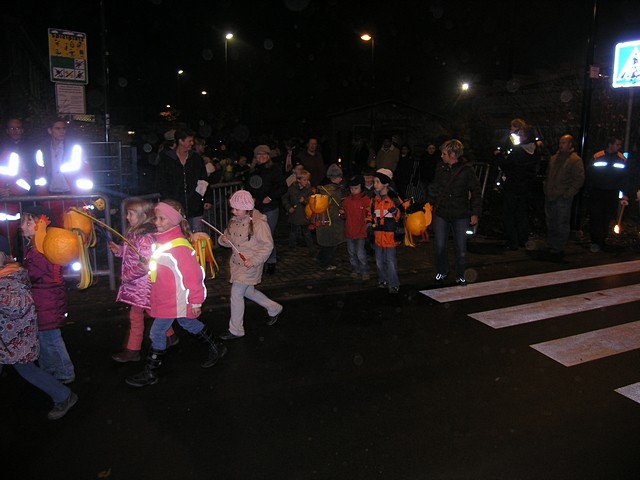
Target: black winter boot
[[149, 375], [217, 349]]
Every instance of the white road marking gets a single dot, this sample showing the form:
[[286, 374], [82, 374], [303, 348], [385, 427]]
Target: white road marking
[[533, 312], [473, 290], [630, 391], [585, 347]]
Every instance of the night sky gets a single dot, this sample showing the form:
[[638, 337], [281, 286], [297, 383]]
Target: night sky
[[299, 59]]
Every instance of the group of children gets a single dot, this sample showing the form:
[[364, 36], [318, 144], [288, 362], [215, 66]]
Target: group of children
[[371, 210], [161, 276]]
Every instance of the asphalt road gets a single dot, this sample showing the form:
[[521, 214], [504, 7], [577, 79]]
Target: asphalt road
[[354, 385]]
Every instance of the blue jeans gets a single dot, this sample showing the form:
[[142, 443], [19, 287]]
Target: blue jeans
[[159, 327], [357, 255], [54, 357], [387, 266], [42, 380], [441, 229], [272, 221], [558, 216]]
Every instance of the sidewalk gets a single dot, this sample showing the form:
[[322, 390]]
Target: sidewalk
[[297, 274]]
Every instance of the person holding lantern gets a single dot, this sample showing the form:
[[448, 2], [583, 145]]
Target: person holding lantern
[[249, 236], [49, 296]]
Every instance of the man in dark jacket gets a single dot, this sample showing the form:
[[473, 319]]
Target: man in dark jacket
[[182, 176], [606, 177]]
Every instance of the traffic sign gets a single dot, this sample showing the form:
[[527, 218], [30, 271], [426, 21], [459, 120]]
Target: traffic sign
[[68, 56], [626, 67]]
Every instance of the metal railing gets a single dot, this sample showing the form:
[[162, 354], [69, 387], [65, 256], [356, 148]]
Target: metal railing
[[100, 257]]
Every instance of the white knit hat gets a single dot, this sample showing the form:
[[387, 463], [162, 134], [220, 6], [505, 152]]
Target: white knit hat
[[384, 175], [242, 200]]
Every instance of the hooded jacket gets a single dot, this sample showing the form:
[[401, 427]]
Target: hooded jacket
[[179, 278], [135, 287]]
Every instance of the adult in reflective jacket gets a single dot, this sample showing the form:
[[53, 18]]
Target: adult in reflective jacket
[[61, 168], [606, 178]]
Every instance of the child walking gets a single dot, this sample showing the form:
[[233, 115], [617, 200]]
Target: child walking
[[19, 341], [357, 212], [135, 287], [386, 215], [294, 201], [177, 291], [49, 296], [249, 233]]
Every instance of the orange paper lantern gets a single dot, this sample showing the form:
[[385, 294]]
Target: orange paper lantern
[[61, 247]]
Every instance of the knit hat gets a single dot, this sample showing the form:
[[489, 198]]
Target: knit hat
[[170, 213], [334, 171], [356, 180], [384, 175], [37, 211], [262, 149], [242, 200]]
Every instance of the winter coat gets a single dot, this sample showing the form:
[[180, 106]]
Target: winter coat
[[292, 199], [386, 218], [47, 289], [565, 175], [267, 181], [604, 172], [331, 232], [449, 192], [520, 168], [179, 182], [179, 281], [357, 212], [135, 287], [18, 326], [256, 248]]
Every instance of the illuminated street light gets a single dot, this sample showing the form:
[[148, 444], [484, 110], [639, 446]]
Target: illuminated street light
[[180, 74], [369, 38], [227, 37], [203, 92], [464, 87]]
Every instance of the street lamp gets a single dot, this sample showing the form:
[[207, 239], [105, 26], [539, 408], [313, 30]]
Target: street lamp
[[180, 73], [369, 38], [227, 37]]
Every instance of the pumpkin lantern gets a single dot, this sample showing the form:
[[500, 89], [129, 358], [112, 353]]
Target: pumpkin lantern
[[319, 203], [60, 246]]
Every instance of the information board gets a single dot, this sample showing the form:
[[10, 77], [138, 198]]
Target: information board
[[68, 56]]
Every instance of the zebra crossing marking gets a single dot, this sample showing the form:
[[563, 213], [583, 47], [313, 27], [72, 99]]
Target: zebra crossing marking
[[474, 290], [533, 312], [630, 391], [585, 347]]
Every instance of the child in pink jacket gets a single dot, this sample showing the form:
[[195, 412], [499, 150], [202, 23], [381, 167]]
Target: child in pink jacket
[[135, 287], [177, 291]]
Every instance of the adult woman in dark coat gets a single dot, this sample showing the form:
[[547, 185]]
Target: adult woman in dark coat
[[267, 186]]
